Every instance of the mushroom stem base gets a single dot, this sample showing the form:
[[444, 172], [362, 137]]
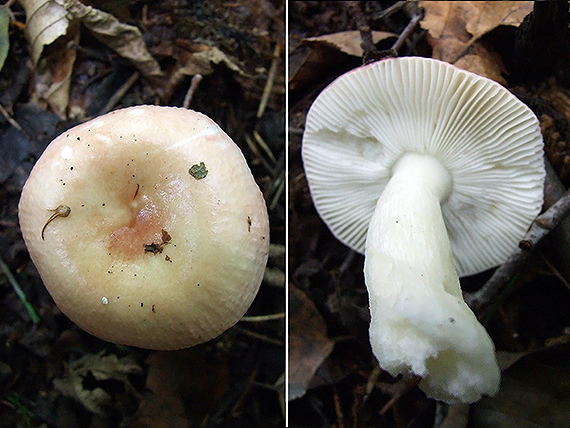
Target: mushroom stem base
[[420, 323]]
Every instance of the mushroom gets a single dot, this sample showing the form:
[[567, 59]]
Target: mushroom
[[147, 227], [431, 172]]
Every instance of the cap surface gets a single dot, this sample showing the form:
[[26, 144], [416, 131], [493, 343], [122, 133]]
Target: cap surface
[[167, 237], [488, 140]]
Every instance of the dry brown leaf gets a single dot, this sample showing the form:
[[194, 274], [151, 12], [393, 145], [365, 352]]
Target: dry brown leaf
[[50, 27], [316, 56], [126, 40], [556, 142], [46, 21], [349, 41], [48, 31], [484, 63], [309, 345], [453, 26], [191, 59]]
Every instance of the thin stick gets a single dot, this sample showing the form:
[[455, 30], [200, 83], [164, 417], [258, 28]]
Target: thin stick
[[270, 80], [338, 408], [262, 318], [367, 41], [113, 101], [264, 146], [278, 191], [11, 120], [19, 292], [541, 226], [196, 79], [391, 10], [555, 271], [260, 336], [253, 147], [416, 17]]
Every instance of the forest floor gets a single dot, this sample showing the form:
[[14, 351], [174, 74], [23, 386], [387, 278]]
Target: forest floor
[[334, 379], [52, 374]]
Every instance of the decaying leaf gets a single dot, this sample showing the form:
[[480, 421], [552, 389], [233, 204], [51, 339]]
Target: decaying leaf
[[309, 345], [349, 42], [49, 31], [200, 62], [46, 21], [484, 63], [124, 39], [50, 27], [191, 59], [99, 367], [317, 55], [556, 141], [455, 28]]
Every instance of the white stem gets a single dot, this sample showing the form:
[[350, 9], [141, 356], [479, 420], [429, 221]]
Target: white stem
[[420, 323]]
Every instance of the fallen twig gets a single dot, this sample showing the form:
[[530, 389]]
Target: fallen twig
[[196, 79], [11, 120], [117, 96], [416, 17], [263, 318], [264, 146], [542, 225], [260, 336], [270, 80]]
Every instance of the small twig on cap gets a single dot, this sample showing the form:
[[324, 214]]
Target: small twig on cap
[[60, 211], [542, 225], [19, 292], [196, 79]]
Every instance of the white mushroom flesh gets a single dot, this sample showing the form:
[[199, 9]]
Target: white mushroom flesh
[[420, 323], [427, 169], [168, 235]]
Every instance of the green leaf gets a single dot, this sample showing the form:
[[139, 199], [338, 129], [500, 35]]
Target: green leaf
[[4, 39]]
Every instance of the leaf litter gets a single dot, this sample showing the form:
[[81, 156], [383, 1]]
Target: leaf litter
[[479, 37], [80, 58]]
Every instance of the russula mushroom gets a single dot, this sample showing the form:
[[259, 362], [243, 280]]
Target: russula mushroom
[[166, 235], [431, 172]]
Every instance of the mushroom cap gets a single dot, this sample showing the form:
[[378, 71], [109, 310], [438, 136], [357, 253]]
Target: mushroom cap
[[168, 235], [488, 140]]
